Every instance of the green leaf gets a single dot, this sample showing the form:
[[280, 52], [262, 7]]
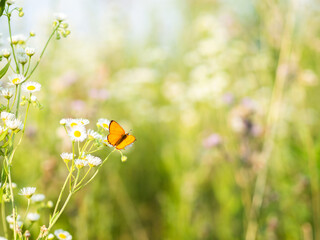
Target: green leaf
[[2, 5], [4, 70], [3, 135]]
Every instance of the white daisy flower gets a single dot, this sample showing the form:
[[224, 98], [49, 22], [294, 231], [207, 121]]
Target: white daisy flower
[[78, 134], [6, 52], [73, 122], [27, 191], [31, 87], [16, 79], [38, 198], [63, 121], [80, 163], [21, 56], [7, 116], [30, 51], [7, 93], [60, 17], [18, 39], [33, 217], [94, 161], [104, 123], [66, 157], [94, 135], [10, 2], [50, 236], [3, 238], [14, 124], [10, 218], [62, 235]]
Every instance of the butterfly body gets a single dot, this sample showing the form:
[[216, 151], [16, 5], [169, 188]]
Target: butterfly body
[[118, 137]]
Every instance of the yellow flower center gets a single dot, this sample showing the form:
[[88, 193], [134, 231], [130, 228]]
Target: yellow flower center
[[73, 124], [31, 87], [62, 236], [16, 80], [77, 133], [105, 125]]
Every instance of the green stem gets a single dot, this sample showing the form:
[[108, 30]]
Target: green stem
[[14, 99], [25, 74], [10, 35], [44, 49], [3, 215], [93, 176], [12, 203], [60, 195], [28, 206], [77, 185]]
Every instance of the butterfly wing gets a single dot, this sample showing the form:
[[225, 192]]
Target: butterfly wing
[[116, 132], [114, 138], [125, 142], [115, 128]]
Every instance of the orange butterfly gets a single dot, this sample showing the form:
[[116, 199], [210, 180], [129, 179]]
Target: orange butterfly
[[118, 137]]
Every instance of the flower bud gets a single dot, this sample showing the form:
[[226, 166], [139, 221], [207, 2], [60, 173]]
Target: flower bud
[[124, 158]]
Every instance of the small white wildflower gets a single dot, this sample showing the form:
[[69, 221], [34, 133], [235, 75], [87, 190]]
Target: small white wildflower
[[60, 17], [14, 185], [80, 163], [22, 56], [30, 51], [62, 235], [7, 116], [6, 52], [104, 123], [7, 93], [27, 191], [14, 124], [16, 79], [10, 218], [94, 135], [73, 122], [31, 87], [38, 197], [50, 236], [33, 217], [33, 98], [3, 238], [18, 39], [78, 134], [93, 161], [66, 157], [63, 121], [10, 2]]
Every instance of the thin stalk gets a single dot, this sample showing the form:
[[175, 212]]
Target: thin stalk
[[12, 203], [10, 36], [3, 215], [25, 74], [43, 50], [60, 195], [27, 211], [271, 129]]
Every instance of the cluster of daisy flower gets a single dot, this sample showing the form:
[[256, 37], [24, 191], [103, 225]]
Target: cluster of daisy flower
[[19, 91]]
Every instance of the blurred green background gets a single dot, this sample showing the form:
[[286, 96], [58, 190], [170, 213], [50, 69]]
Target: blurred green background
[[218, 93]]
